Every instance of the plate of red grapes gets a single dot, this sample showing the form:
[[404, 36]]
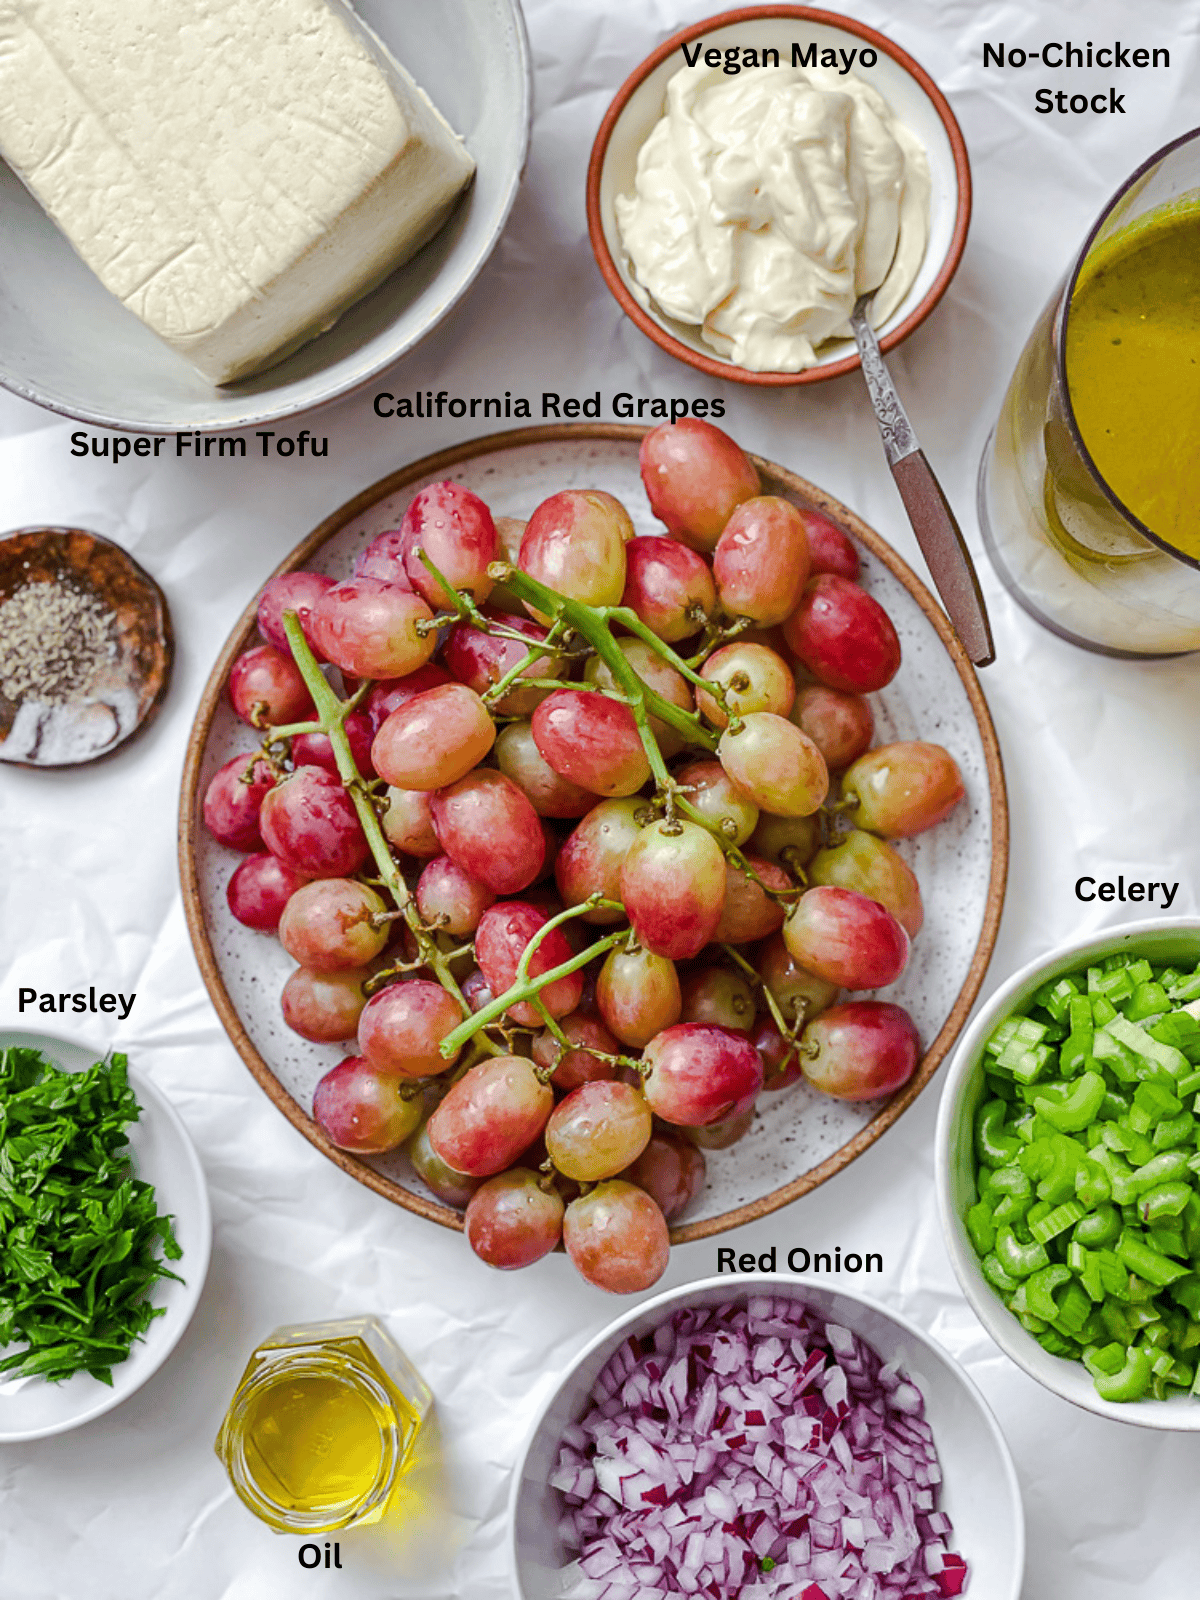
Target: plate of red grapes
[[593, 837]]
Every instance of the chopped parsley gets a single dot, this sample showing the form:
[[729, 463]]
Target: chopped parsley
[[80, 1236]]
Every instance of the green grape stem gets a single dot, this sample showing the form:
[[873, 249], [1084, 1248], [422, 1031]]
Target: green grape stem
[[332, 713], [525, 991], [772, 1004], [592, 624]]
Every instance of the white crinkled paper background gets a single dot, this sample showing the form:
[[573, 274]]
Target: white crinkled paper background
[[1102, 772]]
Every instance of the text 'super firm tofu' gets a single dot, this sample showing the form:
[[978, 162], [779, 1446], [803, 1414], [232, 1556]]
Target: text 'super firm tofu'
[[236, 172]]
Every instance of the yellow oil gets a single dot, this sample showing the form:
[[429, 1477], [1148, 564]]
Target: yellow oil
[[322, 1425], [314, 1444]]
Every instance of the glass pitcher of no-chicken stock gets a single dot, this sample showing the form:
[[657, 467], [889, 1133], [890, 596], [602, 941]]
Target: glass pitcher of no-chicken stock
[[1089, 488]]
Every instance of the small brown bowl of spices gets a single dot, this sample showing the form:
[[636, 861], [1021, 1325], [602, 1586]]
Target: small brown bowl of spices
[[85, 647]]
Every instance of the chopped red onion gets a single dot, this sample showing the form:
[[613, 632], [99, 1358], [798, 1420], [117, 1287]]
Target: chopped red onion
[[754, 1451]]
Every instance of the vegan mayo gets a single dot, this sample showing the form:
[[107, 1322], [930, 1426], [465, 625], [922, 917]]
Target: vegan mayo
[[766, 203]]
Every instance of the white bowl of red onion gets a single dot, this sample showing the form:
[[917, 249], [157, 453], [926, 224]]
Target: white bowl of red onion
[[765, 1437]]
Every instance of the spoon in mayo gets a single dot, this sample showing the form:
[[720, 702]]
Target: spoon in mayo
[[933, 522]]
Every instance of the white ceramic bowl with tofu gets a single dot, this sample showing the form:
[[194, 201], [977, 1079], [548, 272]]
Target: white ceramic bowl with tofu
[[68, 343], [1158, 939], [979, 1483]]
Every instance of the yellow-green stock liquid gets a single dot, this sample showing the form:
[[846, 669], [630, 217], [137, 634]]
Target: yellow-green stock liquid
[[1133, 368]]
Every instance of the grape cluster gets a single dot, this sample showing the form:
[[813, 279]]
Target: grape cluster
[[577, 889]]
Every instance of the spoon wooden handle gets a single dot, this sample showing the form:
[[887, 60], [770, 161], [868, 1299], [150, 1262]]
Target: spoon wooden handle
[[933, 522], [946, 554]]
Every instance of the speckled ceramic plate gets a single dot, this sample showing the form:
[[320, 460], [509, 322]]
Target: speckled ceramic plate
[[799, 1137]]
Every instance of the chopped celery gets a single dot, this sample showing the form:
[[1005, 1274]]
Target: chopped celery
[[1174, 1131], [981, 1227], [1087, 1150], [1060, 1219]]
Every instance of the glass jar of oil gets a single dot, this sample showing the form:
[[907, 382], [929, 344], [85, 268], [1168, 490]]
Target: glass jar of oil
[[322, 1425]]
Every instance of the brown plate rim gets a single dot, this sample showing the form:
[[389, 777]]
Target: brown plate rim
[[726, 369], [431, 465]]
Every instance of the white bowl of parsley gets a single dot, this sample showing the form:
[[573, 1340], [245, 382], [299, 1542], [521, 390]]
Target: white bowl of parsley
[[105, 1234]]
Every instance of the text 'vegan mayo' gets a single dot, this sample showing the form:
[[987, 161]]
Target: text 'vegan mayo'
[[766, 204]]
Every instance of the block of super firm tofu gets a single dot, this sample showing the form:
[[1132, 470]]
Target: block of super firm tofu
[[236, 172]]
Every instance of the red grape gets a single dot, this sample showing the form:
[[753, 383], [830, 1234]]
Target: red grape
[[590, 861], [481, 659], [553, 844], [512, 1221], [617, 1237], [383, 558], [449, 898], [671, 1170], [266, 689], [455, 530], [452, 1188], [475, 990], [363, 1110], [761, 561], [863, 862], [753, 678], [324, 1006], [669, 587], [695, 477], [638, 995], [798, 993], [788, 841], [748, 913], [579, 1064], [408, 822], [309, 821], [699, 1074], [391, 693], [843, 636], [903, 789], [501, 938], [509, 533], [574, 543], [259, 889], [713, 994], [433, 740], [673, 888], [490, 1116], [591, 740], [709, 788], [330, 925], [490, 829], [290, 591], [831, 550], [315, 749], [403, 1025], [860, 1050], [846, 939], [779, 767], [232, 807], [839, 724], [598, 1130], [781, 1058], [656, 674], [721, 1135], [369, 628], [550, 794]]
